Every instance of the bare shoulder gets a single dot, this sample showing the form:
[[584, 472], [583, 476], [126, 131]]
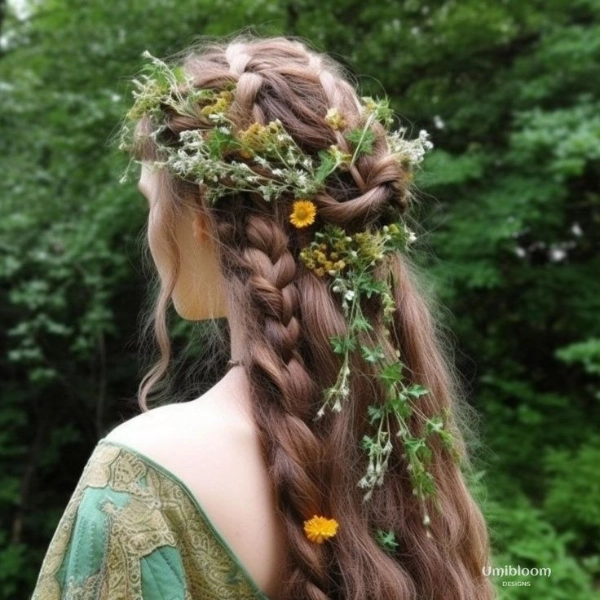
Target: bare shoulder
[[168, 433], [216, 452], [211, 444]]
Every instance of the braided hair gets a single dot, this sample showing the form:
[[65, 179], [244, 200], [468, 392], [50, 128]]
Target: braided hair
[[290, 315]]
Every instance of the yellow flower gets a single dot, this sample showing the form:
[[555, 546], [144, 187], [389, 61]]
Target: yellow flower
[[319, 529], [303, 213], [335, 119], [220, 105], [255, 137]]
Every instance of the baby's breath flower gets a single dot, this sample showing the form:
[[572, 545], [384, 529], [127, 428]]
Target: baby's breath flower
[[409, 152]]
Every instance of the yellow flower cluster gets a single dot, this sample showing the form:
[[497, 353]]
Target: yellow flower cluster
[[316, 259], [258, 137], [318, 529], [370, 104], [341, 158], [370, 246], [334, 250], [221, 105], [335, 119], [150, 99]]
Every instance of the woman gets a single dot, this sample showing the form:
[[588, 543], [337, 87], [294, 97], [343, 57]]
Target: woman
[[327, 462]]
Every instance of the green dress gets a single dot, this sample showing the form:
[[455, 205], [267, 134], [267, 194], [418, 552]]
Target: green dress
[[133, 531]]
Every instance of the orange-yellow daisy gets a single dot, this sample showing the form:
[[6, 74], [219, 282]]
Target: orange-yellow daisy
[[318, 529], [303, 213]]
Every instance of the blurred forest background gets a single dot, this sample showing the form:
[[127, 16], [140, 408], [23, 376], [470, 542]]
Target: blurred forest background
[[509, 204]]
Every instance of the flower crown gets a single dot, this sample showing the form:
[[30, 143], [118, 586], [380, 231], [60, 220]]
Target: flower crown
[[265, 159]]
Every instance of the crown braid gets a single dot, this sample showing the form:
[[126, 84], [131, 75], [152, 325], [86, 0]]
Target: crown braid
[[378, 176]]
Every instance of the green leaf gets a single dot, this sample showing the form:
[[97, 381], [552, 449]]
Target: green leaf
[[361, 324], [328, 164], [342, 344], [374, 413], [362, 140], [367, 443], [417, 390], [372, 355], [400, 407], [220, 142], [391, 374], [387, 539]]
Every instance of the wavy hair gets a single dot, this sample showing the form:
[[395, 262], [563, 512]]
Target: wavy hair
[[290, 314]]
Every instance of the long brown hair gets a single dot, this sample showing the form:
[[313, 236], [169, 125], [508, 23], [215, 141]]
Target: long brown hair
[[290, 314]]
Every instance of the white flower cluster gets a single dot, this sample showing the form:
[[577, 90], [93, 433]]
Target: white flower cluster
[[379, 452], [283, 167], [409, 151]]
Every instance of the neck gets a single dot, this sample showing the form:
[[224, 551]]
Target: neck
[[237, 340]]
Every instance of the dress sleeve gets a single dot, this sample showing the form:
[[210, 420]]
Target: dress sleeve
[[112, 541]]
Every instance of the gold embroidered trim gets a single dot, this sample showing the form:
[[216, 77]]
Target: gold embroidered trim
[[159, 513]]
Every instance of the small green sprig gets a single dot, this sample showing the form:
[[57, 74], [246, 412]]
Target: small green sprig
[[160, 88], [387, 540], [400, 405], [349, 260]]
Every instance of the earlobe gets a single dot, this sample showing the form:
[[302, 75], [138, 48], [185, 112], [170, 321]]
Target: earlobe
[[199, 226]]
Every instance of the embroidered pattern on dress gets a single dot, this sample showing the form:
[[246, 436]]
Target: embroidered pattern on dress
[[158, 513]]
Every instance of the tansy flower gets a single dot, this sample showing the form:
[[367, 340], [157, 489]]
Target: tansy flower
[[255, 137], [220, 105], [319, 529], [303, 213], [335, 119]]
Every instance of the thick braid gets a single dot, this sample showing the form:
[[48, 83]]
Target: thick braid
[[377, 176], [284, 405], [294, 452], [283, 390]]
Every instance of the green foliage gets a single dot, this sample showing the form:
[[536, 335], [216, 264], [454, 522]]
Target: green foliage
[[387, 539], [15, 571], [571, 502], [362, 140], [587, 353], [522, 536]]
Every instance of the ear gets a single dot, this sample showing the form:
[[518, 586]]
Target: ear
[[200, 227]]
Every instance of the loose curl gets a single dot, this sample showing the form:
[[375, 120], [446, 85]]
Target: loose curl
[[289, 315]]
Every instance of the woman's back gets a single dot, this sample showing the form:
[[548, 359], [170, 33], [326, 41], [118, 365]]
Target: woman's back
[[212, 446]]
